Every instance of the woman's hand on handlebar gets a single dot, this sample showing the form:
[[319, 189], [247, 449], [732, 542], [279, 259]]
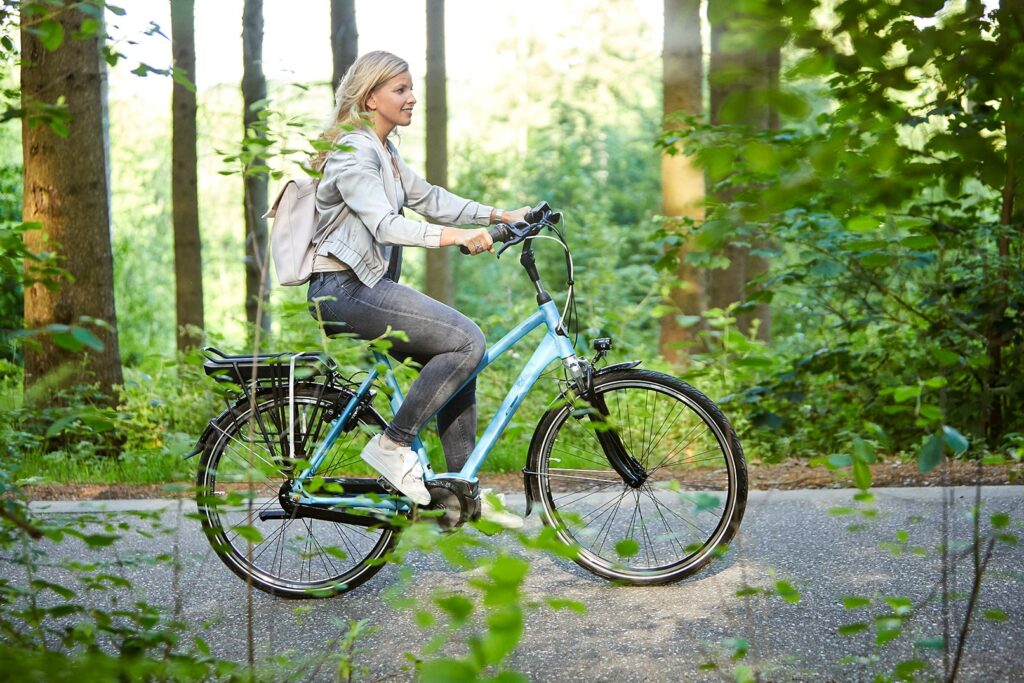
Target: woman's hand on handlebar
[[471, 240], [512, 217]]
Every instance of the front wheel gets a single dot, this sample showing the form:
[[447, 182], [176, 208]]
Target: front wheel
[[660, 515]]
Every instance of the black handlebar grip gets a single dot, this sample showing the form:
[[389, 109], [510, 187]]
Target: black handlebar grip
[[499, 233], [537, 213]]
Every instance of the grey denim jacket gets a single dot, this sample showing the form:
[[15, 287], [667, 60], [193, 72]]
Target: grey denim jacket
[[361, 180]]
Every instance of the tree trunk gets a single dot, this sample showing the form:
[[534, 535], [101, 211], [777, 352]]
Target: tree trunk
[[999, 330], [738, 78], [67, 191], [438, 280], [254, 90], [682, 183], [344, 38], [188, 268]]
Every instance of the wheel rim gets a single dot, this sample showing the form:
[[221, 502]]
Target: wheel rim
[[669, 525], [243, 478]]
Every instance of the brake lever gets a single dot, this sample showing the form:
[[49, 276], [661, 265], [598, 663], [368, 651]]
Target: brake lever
[[520, 230]]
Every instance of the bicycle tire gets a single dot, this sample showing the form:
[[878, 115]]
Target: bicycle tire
[[681, 516], [241, 474]]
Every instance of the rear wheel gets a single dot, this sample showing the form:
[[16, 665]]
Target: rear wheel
[[662, 514], [246, 465]]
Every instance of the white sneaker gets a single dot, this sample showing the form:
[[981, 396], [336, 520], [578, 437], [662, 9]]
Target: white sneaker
[[400, 467], [492, 508]]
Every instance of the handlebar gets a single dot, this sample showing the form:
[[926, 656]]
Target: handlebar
[[515, 233]]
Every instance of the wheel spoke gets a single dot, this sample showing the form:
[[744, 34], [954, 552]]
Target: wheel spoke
[[291, 558], [671, 430]]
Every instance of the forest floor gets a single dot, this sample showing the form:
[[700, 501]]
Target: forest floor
[[782, 476]]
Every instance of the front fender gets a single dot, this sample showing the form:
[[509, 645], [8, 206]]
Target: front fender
[[628, 365]]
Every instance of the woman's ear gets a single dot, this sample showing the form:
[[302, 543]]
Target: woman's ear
[[371, 103]]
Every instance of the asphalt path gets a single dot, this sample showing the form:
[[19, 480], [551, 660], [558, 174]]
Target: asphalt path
[[659, 633]]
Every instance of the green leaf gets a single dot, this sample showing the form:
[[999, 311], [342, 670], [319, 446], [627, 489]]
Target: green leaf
[[51, 34], [743, 674], [90, 26], [995, 615], [787, 592], [876, 260], [179, 77], [861, 475], [737, 647], [202, 646], [920, 242], [903, 394], [447, 671], [899, 605], [850, 629], [838, 460], [40, 584], [1000, 520], [99, 540], [946, 357], [931, 643], [905, 670], [855, 602], [627, 547], [956, 441], [863, 451], [564, 603], [249, 533], [61, 424], [930, 454], [458, 607], [862, 224]]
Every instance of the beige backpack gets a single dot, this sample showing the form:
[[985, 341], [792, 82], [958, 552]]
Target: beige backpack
[[291, 239]]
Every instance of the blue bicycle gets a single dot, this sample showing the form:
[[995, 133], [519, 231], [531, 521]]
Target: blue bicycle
[[639, 472]]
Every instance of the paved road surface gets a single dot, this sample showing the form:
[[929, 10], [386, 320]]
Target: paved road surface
[[650, 634]]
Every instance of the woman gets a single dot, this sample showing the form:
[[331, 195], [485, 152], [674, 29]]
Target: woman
[[365, 184]]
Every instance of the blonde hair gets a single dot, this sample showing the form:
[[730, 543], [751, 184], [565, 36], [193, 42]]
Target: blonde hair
[[366, 74]]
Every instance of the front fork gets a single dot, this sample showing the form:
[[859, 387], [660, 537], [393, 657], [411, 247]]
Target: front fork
[[582, 384]]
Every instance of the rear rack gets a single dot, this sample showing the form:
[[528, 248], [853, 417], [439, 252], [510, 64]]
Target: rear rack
[[266, 369]]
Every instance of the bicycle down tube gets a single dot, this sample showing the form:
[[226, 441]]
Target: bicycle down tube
[[552, 347]]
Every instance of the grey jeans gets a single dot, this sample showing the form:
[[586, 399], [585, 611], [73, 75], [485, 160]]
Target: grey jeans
[[448, 345]]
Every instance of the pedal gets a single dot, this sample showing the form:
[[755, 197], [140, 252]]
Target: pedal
[[388, 486]]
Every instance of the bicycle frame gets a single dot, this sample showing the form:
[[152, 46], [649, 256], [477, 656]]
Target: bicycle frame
[[554, 345]]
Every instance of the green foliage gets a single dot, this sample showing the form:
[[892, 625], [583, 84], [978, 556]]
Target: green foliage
[[53, 629], [895, 245]]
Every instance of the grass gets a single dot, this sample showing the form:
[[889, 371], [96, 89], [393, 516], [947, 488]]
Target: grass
[[129, 468]]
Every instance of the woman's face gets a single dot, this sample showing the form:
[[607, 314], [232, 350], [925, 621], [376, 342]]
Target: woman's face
[[392, 102]]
